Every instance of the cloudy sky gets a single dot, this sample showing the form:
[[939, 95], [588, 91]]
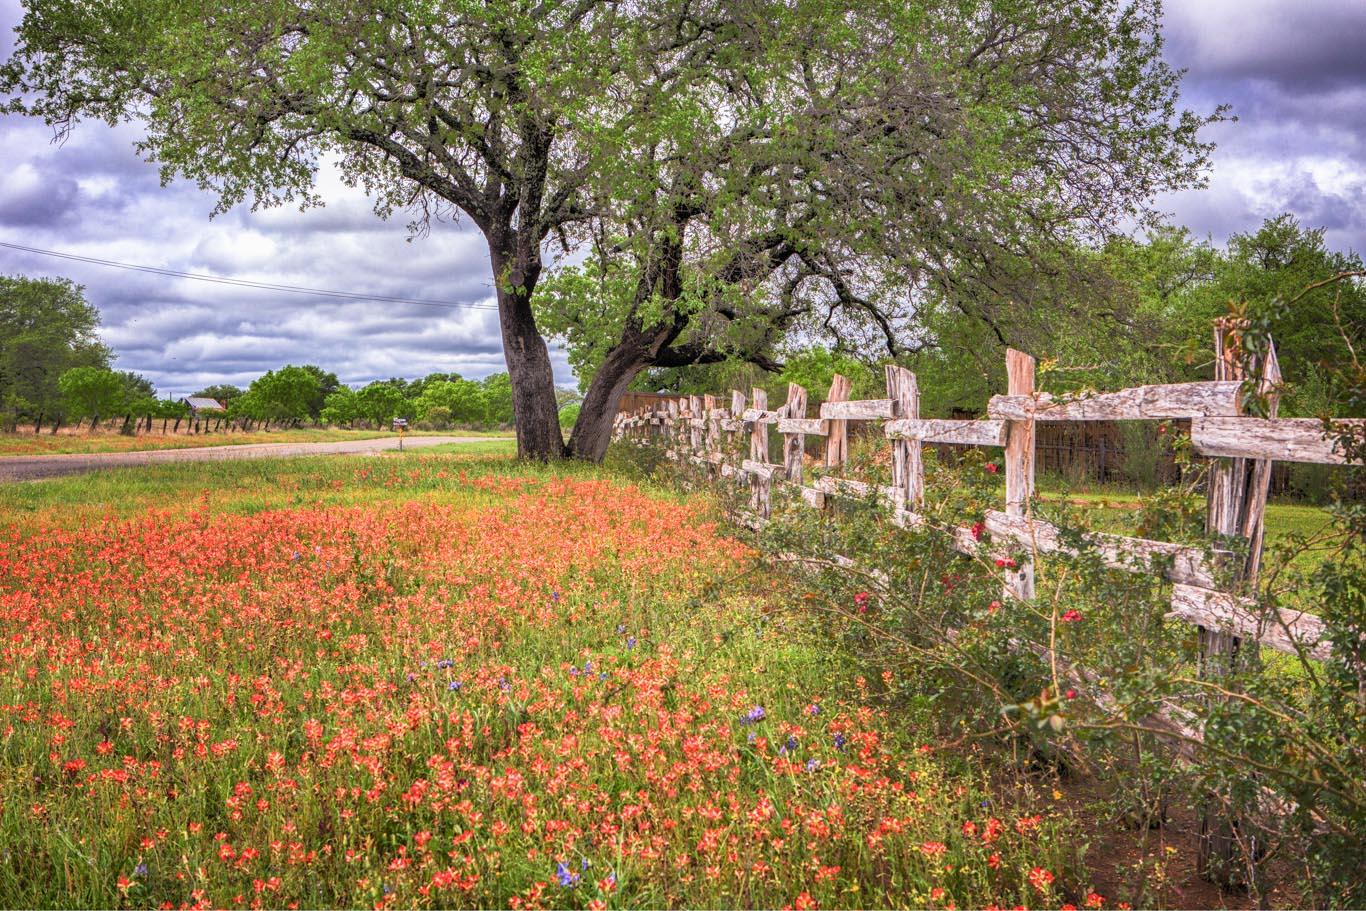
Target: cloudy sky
[[1294, 72]]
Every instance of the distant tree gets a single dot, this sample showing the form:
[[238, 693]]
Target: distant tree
[[380, 402], [92, 392], [284, 395], [342, 407], [462, 401], [498, 409], [46, 328], [223, 394], [327, 384], [136, 386]]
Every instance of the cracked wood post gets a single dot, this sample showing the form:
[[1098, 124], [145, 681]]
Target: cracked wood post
[[794, 444], [737, 408], [837, 435], [758, 451], [672, 426], [694, 414], [1237, 505], [908, 471], [1019, 464], [713, 430]]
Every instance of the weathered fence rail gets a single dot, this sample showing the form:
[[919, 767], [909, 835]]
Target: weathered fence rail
[[1243, 447]]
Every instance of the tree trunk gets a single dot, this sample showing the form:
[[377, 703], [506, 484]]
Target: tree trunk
[[56, 424], [593, 429], [38, 424], [94, 422], [535, 412]]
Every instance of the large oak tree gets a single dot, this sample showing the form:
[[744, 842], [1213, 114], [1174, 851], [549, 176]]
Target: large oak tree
[[734, 169]]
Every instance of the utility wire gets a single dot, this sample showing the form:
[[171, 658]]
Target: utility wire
[[248, 283]]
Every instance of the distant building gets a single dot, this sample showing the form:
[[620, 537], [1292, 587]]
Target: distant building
[[196, 404]]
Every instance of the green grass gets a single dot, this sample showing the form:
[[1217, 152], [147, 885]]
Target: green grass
[[29, 444], [261, 703]]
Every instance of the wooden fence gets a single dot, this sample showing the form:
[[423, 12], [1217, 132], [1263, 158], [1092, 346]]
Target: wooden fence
[[1244, 449]]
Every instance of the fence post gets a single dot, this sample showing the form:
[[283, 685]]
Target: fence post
[[837, 432], [1237, 505], [908, 471], [758, 451], [713, 429], [794, 444], [737, 408], [695, 431], [1019, 464]]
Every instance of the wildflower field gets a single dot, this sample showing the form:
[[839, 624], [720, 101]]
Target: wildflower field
[[429, 680]]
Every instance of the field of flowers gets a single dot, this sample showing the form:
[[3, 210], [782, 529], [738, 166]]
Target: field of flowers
[[433, 681]]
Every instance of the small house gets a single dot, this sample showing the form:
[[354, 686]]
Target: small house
[[199, 404]]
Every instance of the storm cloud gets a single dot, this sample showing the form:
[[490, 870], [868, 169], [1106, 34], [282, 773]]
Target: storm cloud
[[1294, 74]]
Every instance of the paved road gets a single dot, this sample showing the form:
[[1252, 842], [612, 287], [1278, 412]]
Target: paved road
[[30, 468]]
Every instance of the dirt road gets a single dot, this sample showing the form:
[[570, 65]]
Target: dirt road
[[31, 468]]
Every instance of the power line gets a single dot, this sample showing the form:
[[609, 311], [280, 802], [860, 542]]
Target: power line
[[249, 283]]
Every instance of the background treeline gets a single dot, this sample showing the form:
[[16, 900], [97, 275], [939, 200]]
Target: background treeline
[[1143, 314], [55, 372]]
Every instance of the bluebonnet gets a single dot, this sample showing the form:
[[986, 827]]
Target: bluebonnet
[[754, 715], [574, 671], [554, 596], [454, 685], [621, 628], [140, 870], [630, 642], [296, 555], [567, 878], [445, 663], [815, 709], [840, 741], [790, 746], [602, 676], [812, 765]]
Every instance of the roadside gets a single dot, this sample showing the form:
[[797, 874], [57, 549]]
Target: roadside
[[107, 440], [30, 468]]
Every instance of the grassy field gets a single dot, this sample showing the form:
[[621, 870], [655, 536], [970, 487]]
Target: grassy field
[[429, 679], [29, 444]]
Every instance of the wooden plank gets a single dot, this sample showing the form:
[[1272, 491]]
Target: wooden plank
[[1279, 439], [1019, 462], [1136, 555], [1174, 400], [732, 424], [765, 470], [908, 472], [794, 443], [837, 433], [860, 410], [759, 414], [1241, 618], [967, 433], [813, 497], [843, 487], [805, 426]]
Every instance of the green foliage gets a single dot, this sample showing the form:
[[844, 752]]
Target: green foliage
[[497, 389], [380, 402], [459, 400], [92, 392], [46, 329], [568, 415], [282, 395]]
